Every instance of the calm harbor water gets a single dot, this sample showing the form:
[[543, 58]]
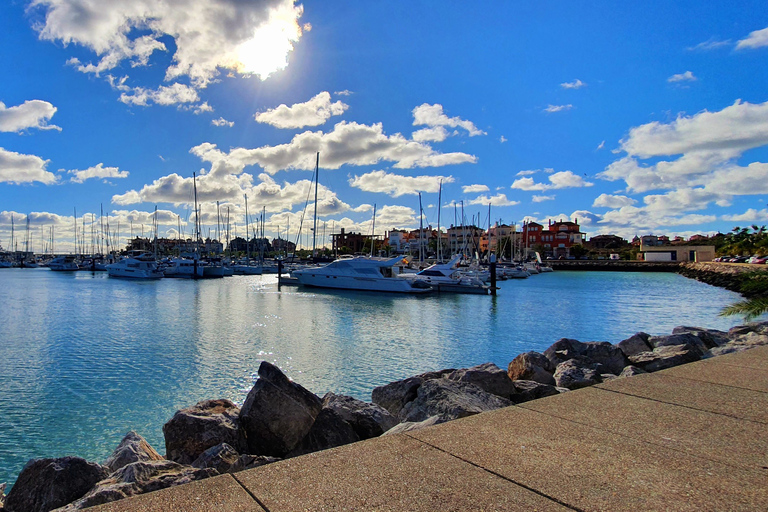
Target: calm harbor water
[[86, 358]]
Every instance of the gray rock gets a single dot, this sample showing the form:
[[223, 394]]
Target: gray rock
[[139, 478], [740, 343], [132, 448], [527, 390], [277, 413], [686, 339], [450, 400], [409, 426], [328, 431], [222, 457], [253, 461], [194, 429], [664, 357], [395, 395], [601, 352], [605, 377], [367, 420], [531, 366], [710, 337], [630, 371], [577, 373], [2, 494], [46, 484], [488, 377], [635, 344]]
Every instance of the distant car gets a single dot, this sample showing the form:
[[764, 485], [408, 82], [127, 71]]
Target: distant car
[[760, 260], [740, 259]]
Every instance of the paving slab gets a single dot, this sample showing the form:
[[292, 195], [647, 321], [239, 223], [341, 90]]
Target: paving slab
[[756, 357], [722, 373], [703, 434], [592, 469], [704, 396], [221, 493], [388, 473]]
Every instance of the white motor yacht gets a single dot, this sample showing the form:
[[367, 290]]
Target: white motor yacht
[[445, 273], [135, 265], [63, 264], [184, 267], [360, 273]]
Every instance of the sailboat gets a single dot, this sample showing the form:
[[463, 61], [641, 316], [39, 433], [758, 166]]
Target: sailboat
[[244, 266]]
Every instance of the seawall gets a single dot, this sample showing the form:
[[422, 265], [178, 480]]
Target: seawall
[[615, 265], [723, 275]]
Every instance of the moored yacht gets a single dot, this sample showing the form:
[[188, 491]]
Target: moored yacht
[[360, 273], [135, 265], [445, 273], [63, 264], [184, 267]]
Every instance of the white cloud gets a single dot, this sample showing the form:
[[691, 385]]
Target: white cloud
[[472, 189], [576, 84], [558, 180], [502, 139], [97, 171], [346, 144], [497, 200], [528, 173], [222, 122], [396, 185], [711, 44], [432, 116], [345, 92], [30, 114], [612, 201], [164, 95], [682, 77], [314, 112], [755, 39], [436, 134], [557, 108], [252, 37], [751, 215], [18, 168], [600, 146], [541, 199]]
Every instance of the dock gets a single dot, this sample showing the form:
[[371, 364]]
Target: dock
[[693, 437]]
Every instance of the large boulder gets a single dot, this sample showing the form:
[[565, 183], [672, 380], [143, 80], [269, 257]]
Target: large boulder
[[409, 426], [686, 339], [450, 400], [664, 357], [635, 344], [194, 429], [395, 395], [328, 431], [710, 337], [631, 371], [527, 390], [46, 484], [277, 413], [578, 373], [367, 420], [222, 457], [488, 377], [132, 448], [739, 343], [531, 366], [139, 478], [610, 356]]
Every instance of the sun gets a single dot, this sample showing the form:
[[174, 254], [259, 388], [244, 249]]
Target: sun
[[267, 51]]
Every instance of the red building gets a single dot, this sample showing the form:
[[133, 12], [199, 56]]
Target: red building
[[556, 240]]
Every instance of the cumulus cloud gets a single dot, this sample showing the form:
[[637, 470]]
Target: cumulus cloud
[[30, 114], [497, 200], [751, 215], [346, 144], [222, 122], [163, 95], [576, 84], [682, 77], [396, 185], [97, 171], [541, 199], [18, 168], [611, 201], [472, 189], [314, 112], [755, 39], [247, 37], [436, 134], [558, 180], [433, 116], [557, 108]]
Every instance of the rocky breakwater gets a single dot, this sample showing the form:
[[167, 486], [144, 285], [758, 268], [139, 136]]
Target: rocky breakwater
[[281, 419], [731, 276]]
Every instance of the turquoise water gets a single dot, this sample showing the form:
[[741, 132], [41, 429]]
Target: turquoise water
[[86, 358]]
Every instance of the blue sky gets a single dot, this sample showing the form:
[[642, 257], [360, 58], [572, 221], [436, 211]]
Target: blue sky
[[634, 118]]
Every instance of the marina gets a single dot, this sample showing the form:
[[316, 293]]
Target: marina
[[88, 358]]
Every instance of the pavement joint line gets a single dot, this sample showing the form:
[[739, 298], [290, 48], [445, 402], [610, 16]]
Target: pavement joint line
[[498, 475], [682, 405], [720, 383], [664, 446], [257, 500]]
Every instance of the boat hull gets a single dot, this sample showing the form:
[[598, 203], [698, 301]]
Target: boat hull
[[394, 285]]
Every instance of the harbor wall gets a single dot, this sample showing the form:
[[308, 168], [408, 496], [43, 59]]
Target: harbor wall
[[724, 275], [615, 265]]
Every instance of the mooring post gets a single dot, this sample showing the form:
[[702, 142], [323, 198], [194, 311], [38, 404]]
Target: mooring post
[[492, 259], [279, 273]]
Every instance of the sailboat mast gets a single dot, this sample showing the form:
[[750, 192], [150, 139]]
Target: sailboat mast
[[439, 235], [247, 239], [421, 232], [373, 229], [314, 227]]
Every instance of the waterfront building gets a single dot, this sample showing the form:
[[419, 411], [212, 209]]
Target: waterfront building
[[697, 253], [606, 242], [464, 239], [351, 242], [557, 240]]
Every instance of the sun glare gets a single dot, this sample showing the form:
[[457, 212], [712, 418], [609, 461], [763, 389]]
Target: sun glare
[[267, 51]]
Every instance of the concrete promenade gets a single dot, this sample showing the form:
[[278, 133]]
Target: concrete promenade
[[693, 437]]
